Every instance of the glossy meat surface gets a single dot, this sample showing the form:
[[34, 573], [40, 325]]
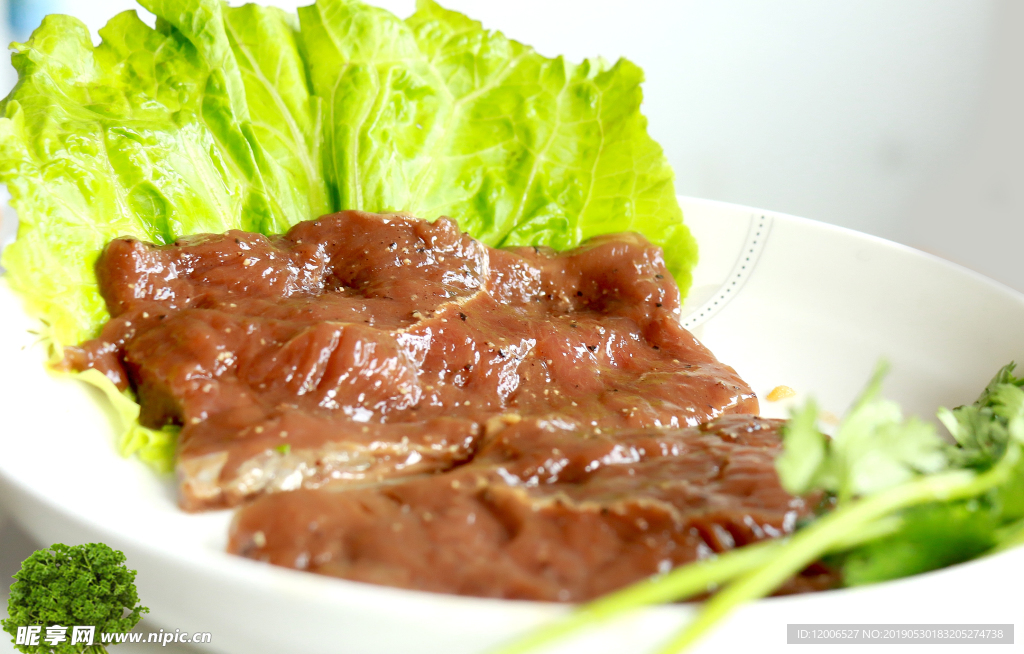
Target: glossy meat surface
[[543, 513], [361, 347]]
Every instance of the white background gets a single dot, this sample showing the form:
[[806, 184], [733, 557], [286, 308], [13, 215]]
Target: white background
[[902, 119]]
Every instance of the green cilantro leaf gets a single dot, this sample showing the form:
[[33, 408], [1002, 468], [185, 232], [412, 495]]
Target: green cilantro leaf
[[872, 449], [982, 429]]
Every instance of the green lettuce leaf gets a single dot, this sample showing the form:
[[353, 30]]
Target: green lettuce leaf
[[142, 136], [154, 446], [437, 116], [249, 118]]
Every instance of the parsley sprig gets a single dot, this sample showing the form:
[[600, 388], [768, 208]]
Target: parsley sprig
[[81, 585]]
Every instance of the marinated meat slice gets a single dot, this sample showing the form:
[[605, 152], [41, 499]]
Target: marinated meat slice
[[359, 346], [543, 513]]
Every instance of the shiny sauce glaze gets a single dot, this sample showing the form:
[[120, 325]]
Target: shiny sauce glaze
[[544, 513], [359, 348]]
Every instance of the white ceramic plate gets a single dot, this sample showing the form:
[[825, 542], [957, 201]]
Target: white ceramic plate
[[782, 299]]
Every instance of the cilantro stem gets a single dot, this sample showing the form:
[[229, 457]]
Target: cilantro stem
[[814, 541], [679, 584], [682, 582], [878, 529]]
